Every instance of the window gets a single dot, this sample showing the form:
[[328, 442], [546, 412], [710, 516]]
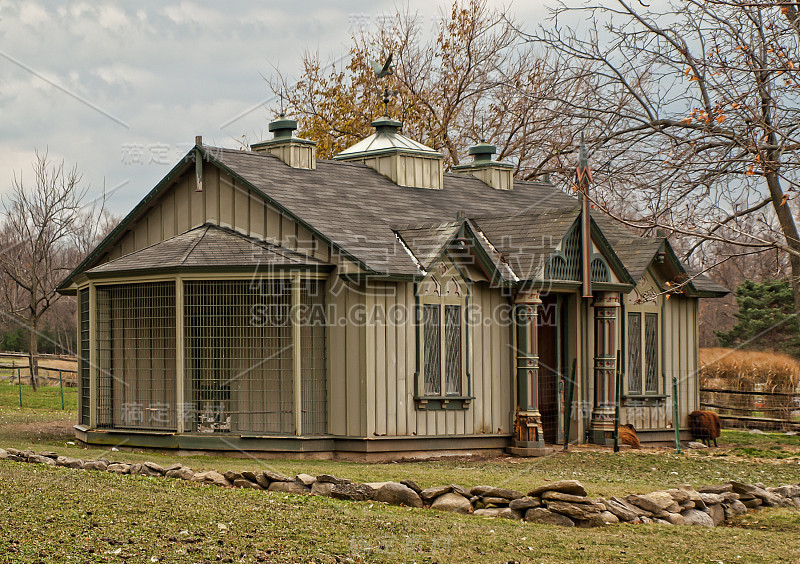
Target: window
[[642, 353], [442, 349]]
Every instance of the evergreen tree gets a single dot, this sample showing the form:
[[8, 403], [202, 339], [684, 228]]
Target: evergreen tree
[[767, 318]]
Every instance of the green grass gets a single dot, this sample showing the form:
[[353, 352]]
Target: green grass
[[54, 512], [44, 399]]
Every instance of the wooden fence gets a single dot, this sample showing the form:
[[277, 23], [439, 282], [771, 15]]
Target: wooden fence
[[753, 408]]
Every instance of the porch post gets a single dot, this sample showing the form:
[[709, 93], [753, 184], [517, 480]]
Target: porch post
[[605, 366], [528, 422]]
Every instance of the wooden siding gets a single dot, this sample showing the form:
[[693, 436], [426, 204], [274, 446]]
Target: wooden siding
[[224, 202]]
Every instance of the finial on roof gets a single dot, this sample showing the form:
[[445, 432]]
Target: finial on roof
[[583, 160]]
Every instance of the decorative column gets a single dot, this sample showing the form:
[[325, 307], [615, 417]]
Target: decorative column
[[528, 423], [605, 306]]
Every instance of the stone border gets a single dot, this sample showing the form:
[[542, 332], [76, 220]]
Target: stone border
[[563, 503]]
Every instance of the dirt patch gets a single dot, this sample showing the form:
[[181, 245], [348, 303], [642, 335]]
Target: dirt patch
[[43, 430]]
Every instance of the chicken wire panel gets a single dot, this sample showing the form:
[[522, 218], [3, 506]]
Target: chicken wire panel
[[238, 356], [83, 358], [136, 356], [313, 371]]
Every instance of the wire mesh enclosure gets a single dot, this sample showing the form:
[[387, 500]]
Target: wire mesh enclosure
[[136, 356], [83, 358], [313, 362]]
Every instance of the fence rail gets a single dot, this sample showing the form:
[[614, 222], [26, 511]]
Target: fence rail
[[753, 408]]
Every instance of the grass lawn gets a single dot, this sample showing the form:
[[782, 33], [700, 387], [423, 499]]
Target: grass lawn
[[58, 515]]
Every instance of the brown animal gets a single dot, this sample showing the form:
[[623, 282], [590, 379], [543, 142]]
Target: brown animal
[[705, 426], [627, 436]]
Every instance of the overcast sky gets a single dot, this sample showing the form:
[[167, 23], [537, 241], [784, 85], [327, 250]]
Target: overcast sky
[[121, 89]]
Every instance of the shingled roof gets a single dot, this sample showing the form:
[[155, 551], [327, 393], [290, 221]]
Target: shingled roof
[[208, 246]]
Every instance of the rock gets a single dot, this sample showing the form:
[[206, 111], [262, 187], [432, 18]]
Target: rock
[[12, 451], [431, 493], [157, 468], [245, 483], [135, 467], [452, 502], [487, 512], [175, 466], [248, 475], [495, 501], [559, 496], [145, 470], [580, 511], [333, 479], [182, 473], [694, 496], [525, 503], [210, 477], [786, 491], [716, 489], [289, 487], [504, 493], [608, 517], [275, 477], [680, 496], [757, 432], [752, 503], [654, 502], [376, 485], [68, 462], [460, 490], [644, 520], [48, 454], [351, 491], [39, 459], [395, 493], [479, 490], [711, 498], [695, 444], [768, 499], [717, 513], [734, 509], [509, 513], [662, 521], [674, 519], [322, 488], [262, 480], [696, 518], [411, 484], [232, 476], [622, 509], [95, 465], [542, 515], [119, 468], [730, 496], [573, 487], [305, 479], [4, 454]]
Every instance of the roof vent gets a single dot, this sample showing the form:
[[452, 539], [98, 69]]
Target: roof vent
[[296, 152], [494, 173], [402, 160]]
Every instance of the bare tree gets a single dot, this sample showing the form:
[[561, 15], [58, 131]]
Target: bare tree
[[692, 116], [39, 224]]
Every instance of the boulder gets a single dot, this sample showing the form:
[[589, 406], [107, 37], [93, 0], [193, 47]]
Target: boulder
[[322, 488], [752, 503], [696, 518], [145, 470], [622, 509], [460, 490], [175, 466], [711, 498], [182, 473], [487, 512], [39, 459], [289, 487], [431, 493], [376, 485], [351, 491], [48, 454], [545, 517], [245, 483], [333, 479], [579, 511], [717, 514], [786, 491], [525, 503], [508, 513], [157, 468], [560, 496], [119, 468], [674, 518], [4, 454], [717, 488], [680, 496], [135, 467], [504, 493], [305, 479], [768, 499], [411, 484], [495, 501], [655, 502], [95, 465], [452, 502], [262, 480], [395, 493], [210, 477], [275, 477], [232, 476], [479, 490], [694, 496], [573, 487], [734, 509], [608, 517], [68, 462], [249, 475]]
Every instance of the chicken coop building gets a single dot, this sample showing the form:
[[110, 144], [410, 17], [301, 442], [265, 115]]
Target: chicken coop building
[[373, 306]]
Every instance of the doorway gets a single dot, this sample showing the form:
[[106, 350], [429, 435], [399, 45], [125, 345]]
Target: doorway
[[551, 324]]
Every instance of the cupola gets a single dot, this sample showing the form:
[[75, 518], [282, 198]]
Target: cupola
[[496, 174], [296, 152], [405, 161]]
